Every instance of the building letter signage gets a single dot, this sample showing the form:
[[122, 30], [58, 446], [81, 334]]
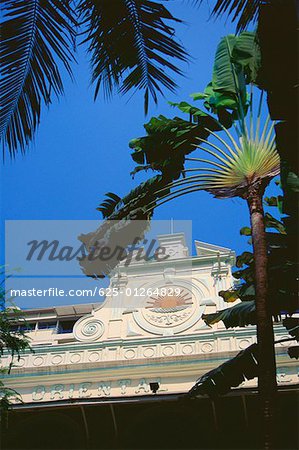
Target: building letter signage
[[125, 386], [38, 393]]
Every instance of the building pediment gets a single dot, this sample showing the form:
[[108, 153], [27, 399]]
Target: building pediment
[[205, 249]]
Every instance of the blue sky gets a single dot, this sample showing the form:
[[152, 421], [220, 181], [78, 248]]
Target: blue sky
[[81, 148]]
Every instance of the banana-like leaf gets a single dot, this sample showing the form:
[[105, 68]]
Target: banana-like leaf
[[168, 141], [224, 72], [237, 61], [189, 109], [228, 77], [239, 315], [246, 52], [225, 118], [37, 39], [217, 101], [246, 292], [219, 381], [106, 247], [132, 46]]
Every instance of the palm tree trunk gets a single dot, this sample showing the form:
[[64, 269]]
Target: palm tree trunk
[[267, 384]]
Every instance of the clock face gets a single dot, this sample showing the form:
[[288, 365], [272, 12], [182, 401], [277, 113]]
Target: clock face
[[169, 306]]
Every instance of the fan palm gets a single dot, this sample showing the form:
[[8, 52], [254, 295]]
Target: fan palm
[[239, 164], [242, 167]]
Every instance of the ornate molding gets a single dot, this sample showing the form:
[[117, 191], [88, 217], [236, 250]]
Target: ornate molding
[[88, 329]]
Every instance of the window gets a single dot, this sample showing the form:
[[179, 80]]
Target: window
[[28, 326], [47, 325], [66, 326]]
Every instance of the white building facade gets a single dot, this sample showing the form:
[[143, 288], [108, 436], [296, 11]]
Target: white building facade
[[148, 330]]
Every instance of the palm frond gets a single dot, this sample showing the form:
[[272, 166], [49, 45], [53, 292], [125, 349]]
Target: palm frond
[[108, 206], [253, 158], [131, 46], [37, 37], [244, 11]]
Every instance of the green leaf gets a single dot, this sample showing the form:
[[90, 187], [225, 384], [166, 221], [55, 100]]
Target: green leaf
[[245, 231], [247, 291], [229, 296], [246, 52], [228, 77], [293, 182], [270, 201], [275, 202], [271, 222], [236, 63], [219, 381], [246, 258], [246, 274], [190, 109], [216, 101], [138, 155], [138, 169], [237, 316], [168, 141], [198, 95], [14, 342], [224, 72]]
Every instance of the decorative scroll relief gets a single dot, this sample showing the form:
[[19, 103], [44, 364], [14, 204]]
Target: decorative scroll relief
[[88, 329], [169, 310]]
